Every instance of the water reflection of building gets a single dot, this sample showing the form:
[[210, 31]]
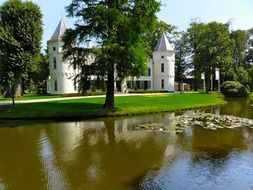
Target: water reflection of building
[[101, 151], [53, 176]]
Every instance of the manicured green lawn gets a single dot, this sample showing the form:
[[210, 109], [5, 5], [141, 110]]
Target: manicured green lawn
[[1, 98], [31, 97], [125, 105]]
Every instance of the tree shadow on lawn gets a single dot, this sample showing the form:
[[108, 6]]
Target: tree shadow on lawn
[[57, 111], [79, 105], [83, 106]]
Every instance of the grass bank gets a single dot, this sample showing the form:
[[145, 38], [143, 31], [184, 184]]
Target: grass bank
[[125, 105]]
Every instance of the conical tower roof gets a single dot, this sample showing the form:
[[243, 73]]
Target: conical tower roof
[[163, 44], [59, 31]]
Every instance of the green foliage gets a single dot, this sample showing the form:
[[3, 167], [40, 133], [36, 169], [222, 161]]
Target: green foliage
[[250, 73], [38, 75], [234, 89], [242, 76], [249, 51], [240, 38], [120, 29], [211, 48], [181, 63], [20, 39]]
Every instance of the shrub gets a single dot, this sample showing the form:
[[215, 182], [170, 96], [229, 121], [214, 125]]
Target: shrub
[[234, 89]]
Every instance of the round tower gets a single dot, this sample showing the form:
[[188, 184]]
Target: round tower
[[163, 65], [61, 80]]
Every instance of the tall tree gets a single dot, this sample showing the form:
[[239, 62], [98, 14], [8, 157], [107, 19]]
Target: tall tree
[[119, 28], [250, 74], [240, 38], [20, 39], [182, 64], [193, 33], [249, 50], [37, 77], [212, 48]]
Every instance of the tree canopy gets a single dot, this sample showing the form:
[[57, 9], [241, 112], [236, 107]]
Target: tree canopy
[[20, 39], [182, 64], [119, 28], [211, 48]]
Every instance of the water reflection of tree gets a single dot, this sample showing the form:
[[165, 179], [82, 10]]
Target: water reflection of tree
[[238, 107], [20, 164], [110, 129], [108, 157]]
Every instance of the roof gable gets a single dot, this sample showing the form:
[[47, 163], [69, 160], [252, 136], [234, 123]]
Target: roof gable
[[59, 31], [163, 44]]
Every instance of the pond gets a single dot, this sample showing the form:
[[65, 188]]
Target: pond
[[108, 154]]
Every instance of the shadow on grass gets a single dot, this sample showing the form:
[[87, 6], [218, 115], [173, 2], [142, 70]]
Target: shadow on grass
[[56, 110], [86, 105]]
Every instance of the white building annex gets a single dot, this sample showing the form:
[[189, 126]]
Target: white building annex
[[160, 75]]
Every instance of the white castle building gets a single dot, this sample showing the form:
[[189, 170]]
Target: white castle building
[[160, 75]]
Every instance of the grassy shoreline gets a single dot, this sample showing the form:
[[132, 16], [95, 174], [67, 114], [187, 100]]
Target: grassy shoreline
[[125, 105]]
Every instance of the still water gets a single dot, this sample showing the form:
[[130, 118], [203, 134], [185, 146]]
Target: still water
[[108, 154]]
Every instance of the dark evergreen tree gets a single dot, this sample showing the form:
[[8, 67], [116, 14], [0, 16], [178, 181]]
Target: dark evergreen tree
[[120, 28], [182, 63]]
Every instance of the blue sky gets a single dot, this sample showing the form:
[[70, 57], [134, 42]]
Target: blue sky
[[176, 12]]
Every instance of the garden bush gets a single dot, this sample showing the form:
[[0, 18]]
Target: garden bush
[[234, 89]]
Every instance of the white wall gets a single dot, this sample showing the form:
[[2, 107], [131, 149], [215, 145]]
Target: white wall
[[169, 70], [64, 73]]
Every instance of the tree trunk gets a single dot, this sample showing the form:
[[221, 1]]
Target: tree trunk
[[109, 99], [18, 87], [195, 81], [207, 81], [110, 129], [12, 90], [179, 86]]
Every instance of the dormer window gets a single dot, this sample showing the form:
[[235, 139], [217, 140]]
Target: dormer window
[[162, 57]]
